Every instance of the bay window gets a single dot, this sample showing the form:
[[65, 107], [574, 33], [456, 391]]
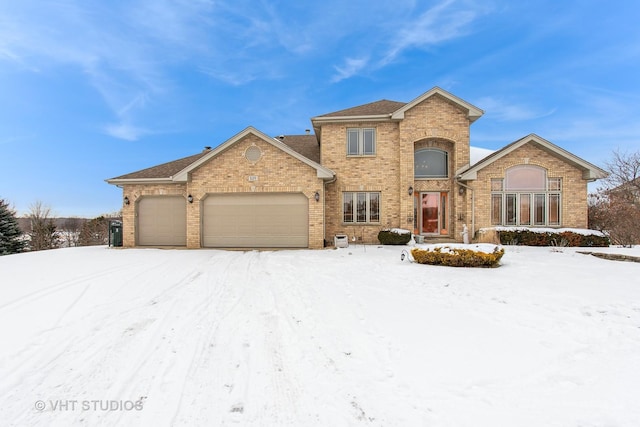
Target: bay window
[[526, 197]]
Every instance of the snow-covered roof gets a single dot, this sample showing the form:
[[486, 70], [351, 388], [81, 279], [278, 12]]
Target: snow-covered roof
[[478, 154]]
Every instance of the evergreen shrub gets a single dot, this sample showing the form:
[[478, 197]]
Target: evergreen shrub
[[394, 237], [531, 238], [457, 257]]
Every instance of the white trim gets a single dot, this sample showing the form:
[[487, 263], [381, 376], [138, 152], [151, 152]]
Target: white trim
[[473, 112], [590, 171], [372, 118], [124, 181], [183, 175]]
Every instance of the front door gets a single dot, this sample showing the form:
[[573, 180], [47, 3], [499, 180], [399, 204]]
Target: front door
[[434, 213]]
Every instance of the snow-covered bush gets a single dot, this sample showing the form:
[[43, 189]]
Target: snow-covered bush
[[394, 236], [457, 257], [532, 237]]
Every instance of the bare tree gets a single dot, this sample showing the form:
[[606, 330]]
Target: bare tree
[[43, 234], [70, 231], [615, 208], [96, 231], [624, 173]]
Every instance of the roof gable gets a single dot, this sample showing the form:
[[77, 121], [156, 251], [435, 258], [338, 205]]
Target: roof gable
[[183, 175], [393, 110], [473, 112], [589, 171], [303, 147]]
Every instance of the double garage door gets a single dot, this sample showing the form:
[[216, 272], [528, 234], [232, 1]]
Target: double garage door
[[255, 220], [247, 220]]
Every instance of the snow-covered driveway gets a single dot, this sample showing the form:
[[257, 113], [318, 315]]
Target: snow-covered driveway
[[92, 336]]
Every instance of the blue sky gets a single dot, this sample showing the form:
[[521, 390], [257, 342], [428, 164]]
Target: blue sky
[[94, 89]]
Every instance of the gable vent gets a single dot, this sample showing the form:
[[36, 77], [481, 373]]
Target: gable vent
[[253, 153]]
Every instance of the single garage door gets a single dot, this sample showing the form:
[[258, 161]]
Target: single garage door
[[256, 220], [162, 221]]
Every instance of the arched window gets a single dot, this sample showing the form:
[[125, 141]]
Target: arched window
[[526, 196], [431, 163], [525, 177]]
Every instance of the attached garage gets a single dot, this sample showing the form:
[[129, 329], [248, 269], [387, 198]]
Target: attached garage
[[162, 221], [255, 220]]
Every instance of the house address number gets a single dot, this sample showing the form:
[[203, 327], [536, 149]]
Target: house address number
[[253, 178]]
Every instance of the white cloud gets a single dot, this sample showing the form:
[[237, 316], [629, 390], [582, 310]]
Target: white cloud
[[402, 31], [125, 131], [351, 67], [125, 49], [504, 111], [438, 24]]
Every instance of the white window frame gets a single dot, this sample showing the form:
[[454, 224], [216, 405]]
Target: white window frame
[[355, 196], [360, 134], [535, 197]]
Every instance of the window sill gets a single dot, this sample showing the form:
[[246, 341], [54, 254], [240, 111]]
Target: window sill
[[360, 223], [359, 156]]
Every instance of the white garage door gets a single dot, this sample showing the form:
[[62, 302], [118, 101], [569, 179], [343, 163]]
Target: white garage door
[[256, 220], [162, 221]]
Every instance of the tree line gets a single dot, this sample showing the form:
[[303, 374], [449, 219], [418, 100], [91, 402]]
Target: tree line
[[613, 209], [39, 230]]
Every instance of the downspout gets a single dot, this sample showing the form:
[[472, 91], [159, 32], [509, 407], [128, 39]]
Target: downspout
[[473, 207], [324, 217]]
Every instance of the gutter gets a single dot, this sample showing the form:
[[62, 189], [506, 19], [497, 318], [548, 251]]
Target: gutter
[[473, 206], [324, 217]]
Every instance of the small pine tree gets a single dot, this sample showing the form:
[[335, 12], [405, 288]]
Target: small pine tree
[[10, 234]]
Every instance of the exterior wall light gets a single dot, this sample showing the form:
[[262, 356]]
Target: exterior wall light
[[410, 190], [317, 196], [190, 198], [126, 200]]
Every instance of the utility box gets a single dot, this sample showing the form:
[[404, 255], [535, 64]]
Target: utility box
[[341, 241], [115, 233]]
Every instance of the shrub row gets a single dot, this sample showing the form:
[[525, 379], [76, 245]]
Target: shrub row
[[565, 238], [457, 257], [390, 237]]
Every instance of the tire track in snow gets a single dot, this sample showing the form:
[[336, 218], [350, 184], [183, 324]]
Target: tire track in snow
[[196, 398], [41, 293], [170, 352], [109, 350], [34, 353]]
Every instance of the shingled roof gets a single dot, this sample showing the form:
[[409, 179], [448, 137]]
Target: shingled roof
[[307, 145], [165, 170], [377, 108]]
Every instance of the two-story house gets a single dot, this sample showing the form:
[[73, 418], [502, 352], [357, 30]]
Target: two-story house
[[379, 165]]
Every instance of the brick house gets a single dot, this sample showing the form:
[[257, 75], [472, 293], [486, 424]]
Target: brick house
[[374, 166]]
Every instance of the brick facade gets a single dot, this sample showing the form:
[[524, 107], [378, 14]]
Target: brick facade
[[229, 172], [436, 120], [574, 186], [134, 192], [276, 172]]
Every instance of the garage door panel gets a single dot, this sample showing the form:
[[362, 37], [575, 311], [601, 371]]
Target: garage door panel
[[256, 220], [162, 221]]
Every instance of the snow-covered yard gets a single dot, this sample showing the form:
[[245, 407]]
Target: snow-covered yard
[[145, 337]]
